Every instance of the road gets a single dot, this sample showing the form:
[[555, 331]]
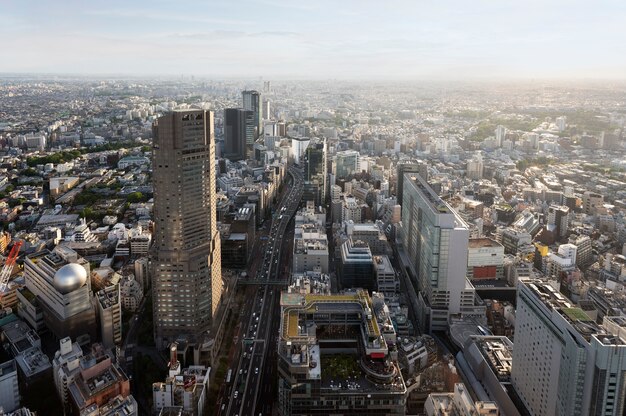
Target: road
[[252, 390]]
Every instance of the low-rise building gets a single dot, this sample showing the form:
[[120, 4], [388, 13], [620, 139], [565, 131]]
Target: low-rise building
[[185, 388], [458, 403], [365, 378]]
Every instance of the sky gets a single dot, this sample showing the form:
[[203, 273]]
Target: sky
[[317, 39]]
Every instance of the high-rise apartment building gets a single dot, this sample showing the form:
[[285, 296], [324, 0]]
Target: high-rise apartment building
[[435, 240], [238, 133], [500, 135], [252, 101], [186, 265], [564, 363]]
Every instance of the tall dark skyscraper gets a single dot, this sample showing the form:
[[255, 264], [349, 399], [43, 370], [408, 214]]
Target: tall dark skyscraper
[[238, 132], [186, 267], [315, 172], [252, 101]]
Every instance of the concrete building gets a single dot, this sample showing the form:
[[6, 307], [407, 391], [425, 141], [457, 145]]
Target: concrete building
[[458, 403], [110, 315], [584, 250], [563, 362], [592, 202], [485, 259], [60, 185], [351, 209], [185, 388], [65, 367], [186, 259], [514, 241], [371, 234], [60, 284], [25, 345], [129, 161], [490, 360], [387, 281], [131, 293], [310, 250], [118, 406], [139, 241], [369, 382], [97, 381], [9, 387], [298, 148], [435, 239], [475, 168]]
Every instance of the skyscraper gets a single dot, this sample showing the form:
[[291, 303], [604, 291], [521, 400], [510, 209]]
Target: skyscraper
[[315, 172], [436, 241], [408, 167], [252, 102], [187, 280], [238, 131]]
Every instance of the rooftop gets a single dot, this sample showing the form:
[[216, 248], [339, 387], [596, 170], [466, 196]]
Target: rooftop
[[576, 317], [483, 242], [498, 354], [295, 304]]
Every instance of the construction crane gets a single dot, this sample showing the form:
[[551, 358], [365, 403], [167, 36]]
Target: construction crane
[[8, 265]]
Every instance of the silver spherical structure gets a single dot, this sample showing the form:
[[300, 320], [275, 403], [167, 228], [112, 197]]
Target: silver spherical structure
[[70, 277]]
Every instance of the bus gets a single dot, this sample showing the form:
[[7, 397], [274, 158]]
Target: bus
[[229, 375]]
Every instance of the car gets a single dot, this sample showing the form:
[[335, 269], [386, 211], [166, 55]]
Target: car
[[236, 394], [241, 371], [256, 370]]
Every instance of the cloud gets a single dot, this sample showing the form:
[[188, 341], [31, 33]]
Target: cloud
[[151, 15]]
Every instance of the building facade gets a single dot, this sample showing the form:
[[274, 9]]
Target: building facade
[[435, 240], [238, 133], [185, 256], [564, 363]]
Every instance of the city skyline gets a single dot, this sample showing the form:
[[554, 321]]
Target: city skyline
[[402, 40]]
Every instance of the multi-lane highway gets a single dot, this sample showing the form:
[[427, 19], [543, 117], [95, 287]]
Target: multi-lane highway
[[251, 388]]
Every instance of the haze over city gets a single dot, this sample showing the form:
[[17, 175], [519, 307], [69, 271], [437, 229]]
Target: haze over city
[[288, 208], [391, 40]]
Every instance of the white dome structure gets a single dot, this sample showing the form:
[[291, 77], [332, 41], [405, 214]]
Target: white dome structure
[[70, 277]]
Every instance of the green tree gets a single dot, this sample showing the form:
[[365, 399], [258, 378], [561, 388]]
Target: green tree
[[136, 197]]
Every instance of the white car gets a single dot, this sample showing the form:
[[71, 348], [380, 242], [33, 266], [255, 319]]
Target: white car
[[256, 370], [236, 394]]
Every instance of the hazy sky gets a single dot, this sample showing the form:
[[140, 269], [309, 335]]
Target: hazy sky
[[382, 39]]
